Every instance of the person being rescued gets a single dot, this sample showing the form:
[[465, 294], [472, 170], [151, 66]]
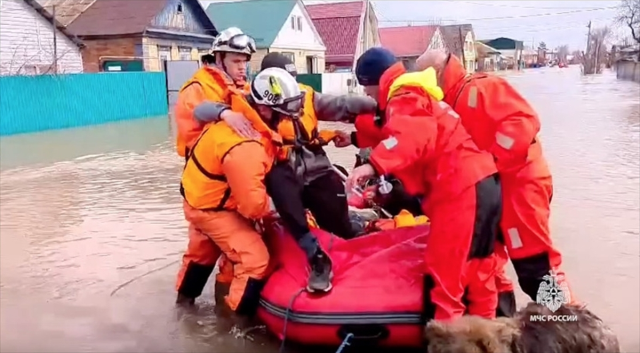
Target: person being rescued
[[223, 70], [426, 148], [223, 182], [304, 178], [503, 123]]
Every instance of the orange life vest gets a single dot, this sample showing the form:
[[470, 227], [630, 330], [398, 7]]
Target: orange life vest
[[216, 85], [204, 185], [308, 124]]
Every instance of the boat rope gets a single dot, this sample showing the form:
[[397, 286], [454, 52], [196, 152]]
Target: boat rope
[[123, 285], [345, 343], [286, 317]]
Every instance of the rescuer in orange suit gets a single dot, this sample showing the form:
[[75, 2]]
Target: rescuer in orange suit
[[304, 177], [368, 132], [501, 121], [427, 149], [223, 185], [223, 69]]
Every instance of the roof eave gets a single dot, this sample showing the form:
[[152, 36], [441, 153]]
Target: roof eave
[[59, 26]]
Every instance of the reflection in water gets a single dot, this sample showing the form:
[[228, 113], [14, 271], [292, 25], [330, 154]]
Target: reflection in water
[[102, 209]]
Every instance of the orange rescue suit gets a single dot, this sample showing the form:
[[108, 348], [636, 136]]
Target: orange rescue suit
[[223, 187], [501, 121], [368, 131], [209, 83], [427, 149]]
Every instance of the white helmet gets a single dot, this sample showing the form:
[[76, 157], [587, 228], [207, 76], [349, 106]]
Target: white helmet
[[233, 40], [276, 88]]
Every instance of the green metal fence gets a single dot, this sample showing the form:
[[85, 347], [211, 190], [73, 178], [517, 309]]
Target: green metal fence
[[47, 102], [313, 80]]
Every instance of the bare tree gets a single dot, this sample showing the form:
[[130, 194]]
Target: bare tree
[[577, 57], [542, 46], [562, 52], [26, 61], [597, 54], [629, 15]]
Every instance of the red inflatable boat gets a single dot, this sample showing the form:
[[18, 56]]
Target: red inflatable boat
[[376, 296]]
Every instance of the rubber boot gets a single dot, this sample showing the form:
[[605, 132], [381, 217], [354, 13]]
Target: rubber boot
[[506, 304], [183, 300], [221, 290], [321, 274]]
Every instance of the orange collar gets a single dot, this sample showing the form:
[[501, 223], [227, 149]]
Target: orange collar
[[390, 75], [223, 79], [453, 73]]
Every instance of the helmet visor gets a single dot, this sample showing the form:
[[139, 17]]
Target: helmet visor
[[241, 42], [291, 107]]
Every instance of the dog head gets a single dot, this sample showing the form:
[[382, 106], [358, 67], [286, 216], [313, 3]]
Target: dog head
[[471, 334]]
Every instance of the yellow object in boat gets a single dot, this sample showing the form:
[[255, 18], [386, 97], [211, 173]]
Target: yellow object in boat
[[406, 219]]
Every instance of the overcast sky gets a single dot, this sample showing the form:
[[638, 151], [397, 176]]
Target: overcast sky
[[554, 22]]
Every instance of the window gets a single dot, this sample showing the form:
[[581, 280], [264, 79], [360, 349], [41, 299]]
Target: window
[[299, 23], [164, 53], [290, 56], [185, 53], [179, 9], [293, 22]]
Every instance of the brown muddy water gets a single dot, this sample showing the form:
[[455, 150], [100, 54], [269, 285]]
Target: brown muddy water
[[86, 212]]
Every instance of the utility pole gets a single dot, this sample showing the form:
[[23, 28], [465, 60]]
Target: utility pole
[[589, 39], [587, 56], [462, 43], [55, 40], [365, 25]]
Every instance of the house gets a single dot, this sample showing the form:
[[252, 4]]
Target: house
[[409, 42], [32, 43], [511, 49], [282, 26], [530, 57], [488, 58], [348, 29], [459, 40], [136, 35]]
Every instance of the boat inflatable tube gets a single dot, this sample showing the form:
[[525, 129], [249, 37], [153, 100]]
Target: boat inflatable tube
[[377, 289]]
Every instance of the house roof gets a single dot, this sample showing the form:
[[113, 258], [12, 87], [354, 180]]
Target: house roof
[[59, 26], [485, 49], [338, 24], [453, 37], [122, 17], [504, 43], [407, 40], [261, 19], [67, 10]]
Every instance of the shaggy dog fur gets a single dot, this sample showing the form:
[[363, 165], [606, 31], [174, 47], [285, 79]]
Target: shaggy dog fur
[[472, 334]]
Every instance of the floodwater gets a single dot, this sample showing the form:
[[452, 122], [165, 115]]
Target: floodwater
[[91, 225]]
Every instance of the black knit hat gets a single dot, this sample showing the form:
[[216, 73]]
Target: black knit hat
[[278, 60], [372, 64]]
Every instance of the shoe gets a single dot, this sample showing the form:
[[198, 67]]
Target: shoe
[[321, 273]]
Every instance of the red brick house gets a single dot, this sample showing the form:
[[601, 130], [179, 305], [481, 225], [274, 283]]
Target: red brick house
[[409, 42], [135, 35], [347, 30]]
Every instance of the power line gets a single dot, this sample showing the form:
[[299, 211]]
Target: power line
[[525, 7], [573, 24], [512, 17]]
